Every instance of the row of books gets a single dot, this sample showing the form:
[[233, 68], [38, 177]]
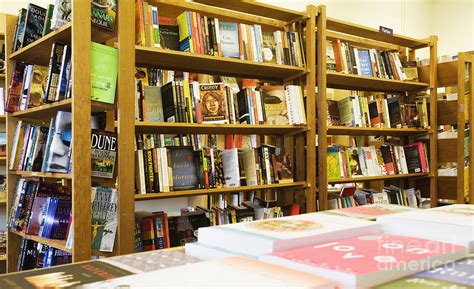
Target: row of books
[[196, 33], [194, 102], [35, 22], [348, 251], [161, 168], [386, 112], [344, 57], [34, 255], [35, 85], [44, 209], [353, 162], [353, 197]]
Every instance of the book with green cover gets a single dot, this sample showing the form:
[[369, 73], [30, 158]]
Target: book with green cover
[[104, 67]]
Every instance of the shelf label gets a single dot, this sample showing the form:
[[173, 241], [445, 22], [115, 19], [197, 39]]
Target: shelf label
[[386, 30]]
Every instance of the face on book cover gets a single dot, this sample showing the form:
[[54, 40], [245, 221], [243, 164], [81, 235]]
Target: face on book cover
[[60, 146], [212, 103]]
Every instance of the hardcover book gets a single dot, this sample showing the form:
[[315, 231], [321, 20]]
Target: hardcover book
[[369, 212], [364, 62], [221, 273], [229, 36], [104, 68], [451, 224], [367, 260], [103, 13], [104, 152], [183, 168], [104, 218], [274, 100], [272, 235], [213, 99]]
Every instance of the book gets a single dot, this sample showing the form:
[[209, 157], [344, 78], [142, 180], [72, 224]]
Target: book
[[457, 274], [62, 13], [47, 20], [15, 89], [57, 152], [55, 64], [268, 236], [229, 38], [183, 168], [104, 218], [256, 273], [369, 212], [451, 224], [214, 108], [104, 70], [184, 229], [274, 100], [169, 33], [368, 259], [103, 13], [38, 83], [19, 30], [34, 22], [104, 153]]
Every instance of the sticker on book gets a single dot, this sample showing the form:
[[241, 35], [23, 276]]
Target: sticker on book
[[285, 225]]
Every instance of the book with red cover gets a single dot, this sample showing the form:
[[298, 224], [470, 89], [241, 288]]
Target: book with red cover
[[368, 260]]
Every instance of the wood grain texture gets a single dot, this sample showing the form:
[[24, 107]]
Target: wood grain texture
[[459, 196], [321, 105], [311, 12], [471, 126], [448, 150], [81, 130], [126, 129], [405, 131], [433, 154], [447, 73], [377, 178]]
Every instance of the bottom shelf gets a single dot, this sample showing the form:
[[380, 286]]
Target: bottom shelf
[[57, 244], [377, 178]]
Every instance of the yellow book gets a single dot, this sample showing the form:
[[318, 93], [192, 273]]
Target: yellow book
[[187, 98]]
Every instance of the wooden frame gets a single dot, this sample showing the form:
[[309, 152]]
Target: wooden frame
[[330, 29]]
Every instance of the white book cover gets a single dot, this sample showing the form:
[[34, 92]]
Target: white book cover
[[230, 160], [403, 160], [268, 236], [232, 272], [451, 224]]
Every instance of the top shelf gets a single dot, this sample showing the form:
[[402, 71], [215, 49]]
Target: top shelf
[[39, 51], [192, 62], [371, 33]]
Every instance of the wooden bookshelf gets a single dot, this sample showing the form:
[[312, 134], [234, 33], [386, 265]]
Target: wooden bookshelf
[[185, 61], [2, 75], [367, 37], [459, 74], [200, 192], [57, 244], [27, 174], [203, 128], [366, 131], [376, 178]]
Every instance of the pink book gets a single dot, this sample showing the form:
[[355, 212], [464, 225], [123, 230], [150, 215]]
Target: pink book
[[368, 260]]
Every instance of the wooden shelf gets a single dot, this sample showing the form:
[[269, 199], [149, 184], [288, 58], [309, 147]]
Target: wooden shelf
[[39, 51], [206, 128], [447, 73], [198, 192], [3, 201], [372, 33], [185, 61], [367, 83], [377, 178], [347, 130], [3, 258], [46, 111], [25, 174], [57, 244], [2, 75], [3, 159]]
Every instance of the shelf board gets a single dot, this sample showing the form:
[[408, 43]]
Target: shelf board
[[2, 75], [3, 159], [347, 130], [447, 73], [188, 193], [58, 244], [3, 258], [207, 128], [49, 110], [3, 201], [377, 178], [185, 61], [367, 83], [372, 33], [40, 175], [39, 52]]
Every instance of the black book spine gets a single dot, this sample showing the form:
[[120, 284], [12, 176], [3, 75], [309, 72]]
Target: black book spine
[[243, 106], [54, 71]]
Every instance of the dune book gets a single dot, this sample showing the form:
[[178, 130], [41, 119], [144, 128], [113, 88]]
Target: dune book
[[104, 152]]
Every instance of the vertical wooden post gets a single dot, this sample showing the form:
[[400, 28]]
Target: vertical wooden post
[[433, 121], [311, 11], [321, 104], [81, 130], [471, 127], [126, 128], [461, 125]]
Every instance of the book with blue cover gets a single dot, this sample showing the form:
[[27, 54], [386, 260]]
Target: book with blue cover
[[364, 62], [183, 168], [229, 35]]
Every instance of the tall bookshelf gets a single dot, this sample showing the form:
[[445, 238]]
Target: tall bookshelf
[[361, 36], [79, 34], [457, 74], [295, 136]]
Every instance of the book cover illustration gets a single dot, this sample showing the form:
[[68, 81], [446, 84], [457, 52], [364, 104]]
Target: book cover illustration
[[282, 167], [354, 163], [274, 99], [269, 47], [214, 107], [229, 36], [62, 13], [104, 68], [34, 24], [184, 229], [285, 225], [103, 13], [16, 86], [183, 168], [104, 218], [59, 144], [169, 33], [104, 152], [37, 86]]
